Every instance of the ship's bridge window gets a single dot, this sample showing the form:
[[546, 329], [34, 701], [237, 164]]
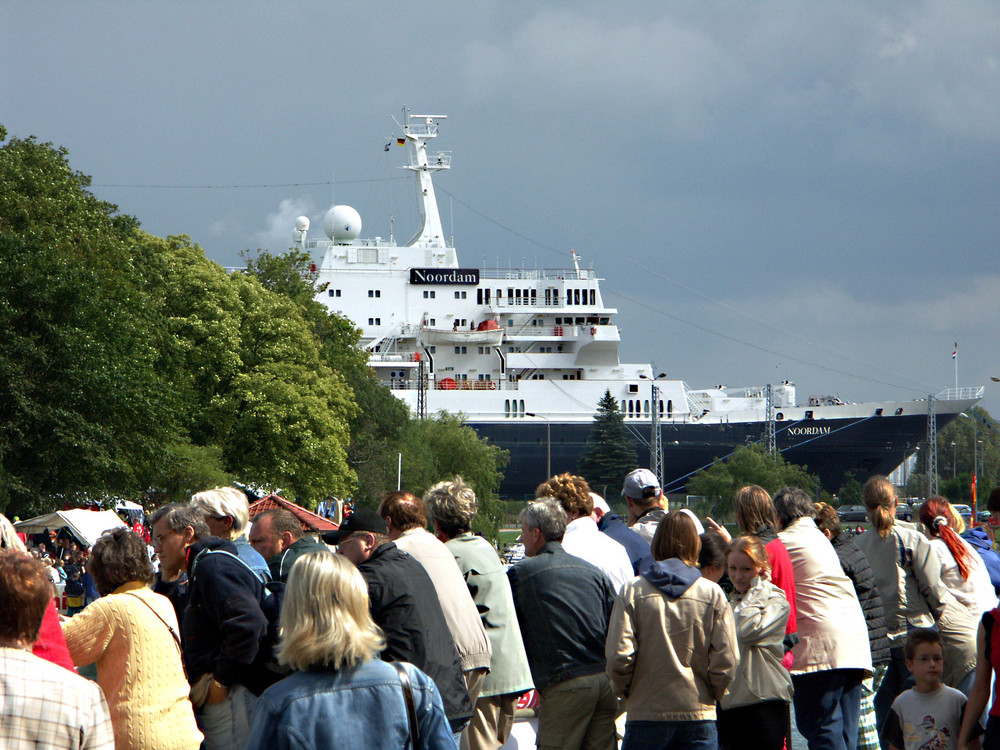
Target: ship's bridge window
[[645, 407], [374, 321], [623, 407], [333, 292], [432, 322], [579, 321], [605, 321], [593, 297], [534, 296], [506, 407], [374, 292]]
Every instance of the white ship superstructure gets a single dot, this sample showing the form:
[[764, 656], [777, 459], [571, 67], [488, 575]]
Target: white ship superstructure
[[506, 346]]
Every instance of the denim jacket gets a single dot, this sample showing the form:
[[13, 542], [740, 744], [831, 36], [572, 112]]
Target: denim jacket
[[563, 606], [343, 710]]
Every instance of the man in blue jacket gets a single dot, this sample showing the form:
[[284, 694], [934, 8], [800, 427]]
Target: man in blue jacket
[[563, 606], [224, 628]]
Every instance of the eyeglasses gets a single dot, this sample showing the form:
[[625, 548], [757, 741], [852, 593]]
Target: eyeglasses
[[158, 540]]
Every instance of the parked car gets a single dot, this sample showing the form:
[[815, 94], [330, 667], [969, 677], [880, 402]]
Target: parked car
[[905, 512], [852, 513]]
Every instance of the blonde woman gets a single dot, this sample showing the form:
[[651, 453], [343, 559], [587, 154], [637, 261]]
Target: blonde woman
[[908, 578], [341, 696]]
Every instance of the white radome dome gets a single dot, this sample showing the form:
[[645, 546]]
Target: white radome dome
[[302, 224], [342, 224]]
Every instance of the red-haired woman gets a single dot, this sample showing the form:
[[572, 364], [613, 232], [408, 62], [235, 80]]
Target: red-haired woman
[[962, 569]]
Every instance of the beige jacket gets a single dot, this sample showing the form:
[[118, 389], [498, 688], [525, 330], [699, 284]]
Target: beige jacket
[[832, 629], [460, 610], [761, 614], [671, 647]]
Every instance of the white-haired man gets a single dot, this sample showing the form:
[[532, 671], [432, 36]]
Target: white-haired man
[[227, 513]]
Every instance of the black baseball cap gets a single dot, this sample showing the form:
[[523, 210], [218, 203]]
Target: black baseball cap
[[362, 519]]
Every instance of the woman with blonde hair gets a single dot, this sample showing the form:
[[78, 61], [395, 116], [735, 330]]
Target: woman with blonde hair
[[754, 712], [671, 646], [908, 578], [341, 696]]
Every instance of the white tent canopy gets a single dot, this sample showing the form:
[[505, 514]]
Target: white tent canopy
[[86, 525]]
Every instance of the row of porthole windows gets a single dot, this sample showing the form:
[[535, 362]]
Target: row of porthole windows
[[639, 408], [513, 407]]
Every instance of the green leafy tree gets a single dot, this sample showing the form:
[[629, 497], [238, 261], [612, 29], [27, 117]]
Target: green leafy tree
[[748, 465], [441, 447], [850, 491], [252, 366], [378, 425], [84, 408], [610, 454], [969, 443]]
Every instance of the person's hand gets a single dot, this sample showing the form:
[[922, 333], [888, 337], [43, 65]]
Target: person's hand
[[217, 692], [719, 529]]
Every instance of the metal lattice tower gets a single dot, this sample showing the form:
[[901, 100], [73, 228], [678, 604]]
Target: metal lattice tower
[[656, 439], [770, 438], [932, 456], [421, 390]]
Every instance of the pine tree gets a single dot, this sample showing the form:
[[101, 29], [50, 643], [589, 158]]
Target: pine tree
[[610, 452]]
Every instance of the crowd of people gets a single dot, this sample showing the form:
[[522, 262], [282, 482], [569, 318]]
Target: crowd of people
[[404, 628]]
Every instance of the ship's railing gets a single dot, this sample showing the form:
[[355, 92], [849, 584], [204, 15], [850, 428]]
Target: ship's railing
[[568, 331], [961, 394], [458, 385], [536, 274]]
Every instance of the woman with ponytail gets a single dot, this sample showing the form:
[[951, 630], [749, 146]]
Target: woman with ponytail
[[908, 578], [962, 569]]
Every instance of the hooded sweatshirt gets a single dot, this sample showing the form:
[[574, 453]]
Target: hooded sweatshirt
[[671, 647]]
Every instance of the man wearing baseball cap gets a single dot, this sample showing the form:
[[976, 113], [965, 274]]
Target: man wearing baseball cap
[[645, 502], [405, 606]]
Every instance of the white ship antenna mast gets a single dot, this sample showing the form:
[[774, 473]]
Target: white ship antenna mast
[[417, 131]]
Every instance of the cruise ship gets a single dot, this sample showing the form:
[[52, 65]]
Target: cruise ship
[[526, 355]]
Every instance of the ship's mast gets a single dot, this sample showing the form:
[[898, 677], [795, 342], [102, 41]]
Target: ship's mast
[[418, 130]]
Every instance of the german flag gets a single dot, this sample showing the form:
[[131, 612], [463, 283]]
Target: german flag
[[401, 141]]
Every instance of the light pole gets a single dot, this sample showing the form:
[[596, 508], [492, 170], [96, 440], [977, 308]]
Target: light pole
[[954, 458], [548, 442]]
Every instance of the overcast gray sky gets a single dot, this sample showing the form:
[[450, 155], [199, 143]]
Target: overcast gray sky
[[772, 190]]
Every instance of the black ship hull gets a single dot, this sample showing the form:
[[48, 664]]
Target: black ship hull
[[828, 448]]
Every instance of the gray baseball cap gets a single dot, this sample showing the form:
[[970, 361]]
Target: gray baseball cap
[[638, 484]]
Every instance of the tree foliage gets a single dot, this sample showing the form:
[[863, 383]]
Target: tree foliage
[[610, 454], [83, 407], [133, 366], [748, 465], [968, 444], [378, 424], [441, 447]]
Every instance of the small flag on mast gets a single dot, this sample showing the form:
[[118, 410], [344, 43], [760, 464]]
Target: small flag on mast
[[954, 354], [401, 141]]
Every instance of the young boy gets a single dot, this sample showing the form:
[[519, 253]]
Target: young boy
[[928, 715]]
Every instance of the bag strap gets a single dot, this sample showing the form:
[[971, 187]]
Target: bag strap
[[174, 633], [411, 710]]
